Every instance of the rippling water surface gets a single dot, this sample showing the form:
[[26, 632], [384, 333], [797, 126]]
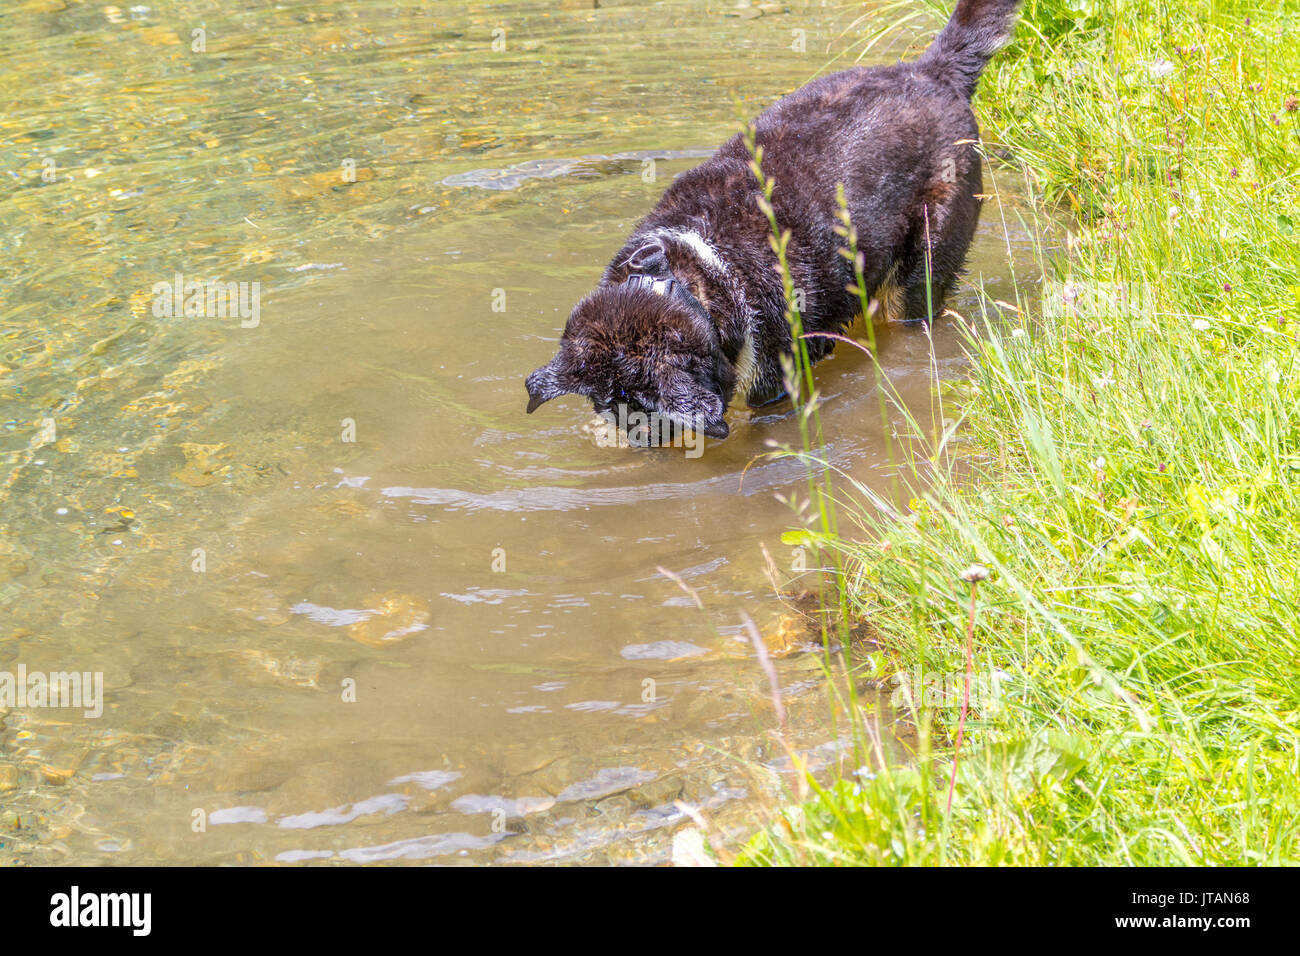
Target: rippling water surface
[[445, 639]]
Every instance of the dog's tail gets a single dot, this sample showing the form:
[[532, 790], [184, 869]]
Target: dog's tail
[[977, 30]]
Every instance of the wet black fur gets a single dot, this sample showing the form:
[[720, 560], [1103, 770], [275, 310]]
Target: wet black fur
[[902, 139]]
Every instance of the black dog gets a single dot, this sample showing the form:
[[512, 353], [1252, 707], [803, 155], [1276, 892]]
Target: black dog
[[691, 311]]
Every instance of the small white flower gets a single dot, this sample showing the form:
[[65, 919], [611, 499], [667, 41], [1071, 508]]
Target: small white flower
[[1017, 333], [1200, 325], [1159, 69], [1103, 381]]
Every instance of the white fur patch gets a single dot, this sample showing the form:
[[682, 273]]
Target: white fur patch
[[700, 246]]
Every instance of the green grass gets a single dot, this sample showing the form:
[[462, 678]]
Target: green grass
[[1127, 466]]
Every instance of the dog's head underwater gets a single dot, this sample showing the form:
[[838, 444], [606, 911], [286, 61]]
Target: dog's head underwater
[[644, 350]]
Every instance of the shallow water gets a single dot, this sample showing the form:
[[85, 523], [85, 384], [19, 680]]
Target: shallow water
[[182, 510]]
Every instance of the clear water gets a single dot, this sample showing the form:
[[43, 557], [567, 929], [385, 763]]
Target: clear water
[[182, 514]]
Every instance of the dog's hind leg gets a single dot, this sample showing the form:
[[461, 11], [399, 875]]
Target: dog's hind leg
[[948, 226]]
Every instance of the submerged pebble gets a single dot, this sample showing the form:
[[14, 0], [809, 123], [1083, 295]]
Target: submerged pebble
[[395, 618]]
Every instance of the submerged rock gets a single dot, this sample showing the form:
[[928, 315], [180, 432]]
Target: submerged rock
[[688, 849], [394, 618]]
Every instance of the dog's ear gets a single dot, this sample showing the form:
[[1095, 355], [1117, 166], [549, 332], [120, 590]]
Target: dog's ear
[[682, 398], [544, 385]]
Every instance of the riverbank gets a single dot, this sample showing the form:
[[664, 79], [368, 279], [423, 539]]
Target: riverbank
[[1128, 472]]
